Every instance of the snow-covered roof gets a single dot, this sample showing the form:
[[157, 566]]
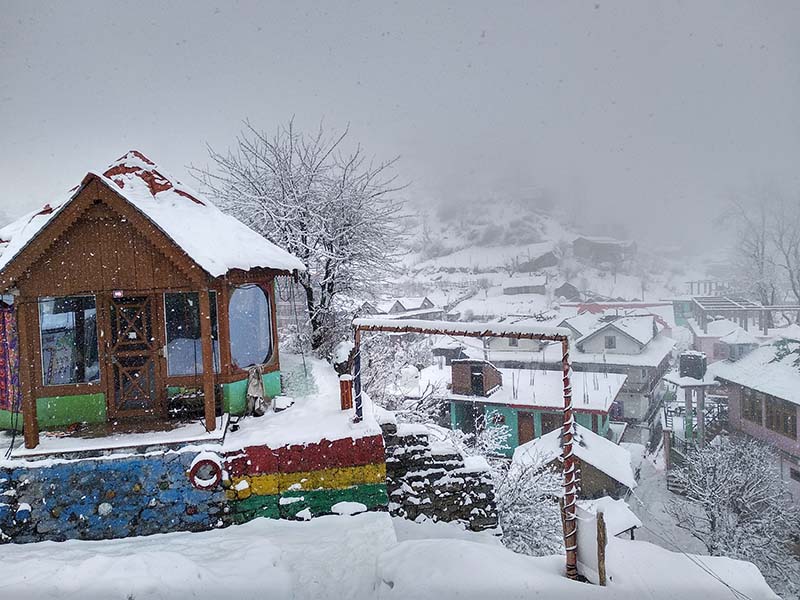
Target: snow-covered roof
[[531, 388], [716, 329], [599, 239], [603, 454], [582, 323], [448, 327], [641, 328], [216, 241], [739, 336], [616, 513], [531, 281], [769, 369]]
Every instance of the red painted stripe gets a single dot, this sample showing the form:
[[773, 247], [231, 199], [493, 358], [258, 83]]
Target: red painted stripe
[[257, 460]]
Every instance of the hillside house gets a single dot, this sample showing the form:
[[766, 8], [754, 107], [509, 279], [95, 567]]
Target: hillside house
[[764, 399], [138, 318], [605, 467], [420, 307], [709, 339], [635, 346], [535, 284], [529, 402], [597, 250], [642, 352]]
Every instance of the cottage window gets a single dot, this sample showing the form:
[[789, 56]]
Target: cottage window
[[184, 344], [251, 326], [513, 342], [68, 333], [782, 417], [794, 474], [751, 406], [611, 342]]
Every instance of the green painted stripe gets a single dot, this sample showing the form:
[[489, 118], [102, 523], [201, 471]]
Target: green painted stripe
[[10, 420], [66, 410], [234, 395]]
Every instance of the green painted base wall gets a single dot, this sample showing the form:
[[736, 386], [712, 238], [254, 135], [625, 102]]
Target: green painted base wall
[[234, 395], [66, 410], [319, 502], [9, 421]]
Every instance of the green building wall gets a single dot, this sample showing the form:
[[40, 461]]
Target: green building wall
[[458, 415]]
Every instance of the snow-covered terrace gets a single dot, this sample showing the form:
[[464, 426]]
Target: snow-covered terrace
[[530, 388], [314, 415]]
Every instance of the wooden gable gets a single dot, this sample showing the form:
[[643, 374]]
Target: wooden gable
[[100, 242]]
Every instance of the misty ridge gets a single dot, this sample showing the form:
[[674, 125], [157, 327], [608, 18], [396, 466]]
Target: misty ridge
[[405, 300]]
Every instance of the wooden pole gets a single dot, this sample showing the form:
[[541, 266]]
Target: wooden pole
[[601, 548], [208, 361], [688, 430], [346, 391], [701, 419], [26, 321], [357, 377], [570, 476]]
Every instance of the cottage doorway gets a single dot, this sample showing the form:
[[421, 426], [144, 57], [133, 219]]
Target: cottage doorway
[[524, 427], [133, 357]]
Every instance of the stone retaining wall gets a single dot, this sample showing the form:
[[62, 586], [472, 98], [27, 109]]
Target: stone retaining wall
[[435, 481]]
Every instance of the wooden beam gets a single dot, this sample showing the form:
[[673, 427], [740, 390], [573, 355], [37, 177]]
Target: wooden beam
[[208, 360], [27, 320]]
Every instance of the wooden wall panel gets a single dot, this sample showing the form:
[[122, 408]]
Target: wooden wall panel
[[105, 253]]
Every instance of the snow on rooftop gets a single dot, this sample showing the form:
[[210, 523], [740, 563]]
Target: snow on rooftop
[[739, 336], [616, 513], [766, 369], [530, 281], [717, 328], [216, 241], [527, 387], [510, 329], [603, 454]]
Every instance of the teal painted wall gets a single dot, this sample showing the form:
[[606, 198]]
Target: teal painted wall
[[66, 410], [458, 413], [234, 395], [510, 415]]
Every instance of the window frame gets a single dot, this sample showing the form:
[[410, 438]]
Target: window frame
[[54, 388], [780, 416], [271, 316], [750, 400], [216, 354], [610, 342]]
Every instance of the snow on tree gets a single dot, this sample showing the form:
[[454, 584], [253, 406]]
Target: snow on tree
[[737, 505], [526, 494], [328, 205], [388, 362]]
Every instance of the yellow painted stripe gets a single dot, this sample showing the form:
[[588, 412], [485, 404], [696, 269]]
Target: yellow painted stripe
[[329, 479]]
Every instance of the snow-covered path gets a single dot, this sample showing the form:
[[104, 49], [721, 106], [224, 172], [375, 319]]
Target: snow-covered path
[[649, 502]]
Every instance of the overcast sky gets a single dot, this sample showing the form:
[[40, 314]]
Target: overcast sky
[[636, 111]]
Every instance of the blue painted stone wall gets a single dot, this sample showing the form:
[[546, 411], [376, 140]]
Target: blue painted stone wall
[[96, 499]]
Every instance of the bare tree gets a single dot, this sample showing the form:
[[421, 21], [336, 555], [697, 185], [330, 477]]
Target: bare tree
[[785, 236], [332, 208], [755, 255], [738, 506]]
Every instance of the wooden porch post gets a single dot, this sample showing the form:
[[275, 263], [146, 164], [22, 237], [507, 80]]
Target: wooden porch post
[[26, 319], [208, 360]]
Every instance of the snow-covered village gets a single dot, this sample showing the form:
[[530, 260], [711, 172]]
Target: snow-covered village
[[418, 300]]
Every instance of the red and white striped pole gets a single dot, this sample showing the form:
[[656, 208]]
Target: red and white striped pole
[[570, 474]]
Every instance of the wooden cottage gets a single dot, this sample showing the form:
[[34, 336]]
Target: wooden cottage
[[136, 302]]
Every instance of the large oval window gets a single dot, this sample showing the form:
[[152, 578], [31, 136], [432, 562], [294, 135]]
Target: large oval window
[[251, 326]]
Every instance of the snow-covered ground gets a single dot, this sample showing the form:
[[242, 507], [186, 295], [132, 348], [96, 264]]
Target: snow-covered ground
[[347, 557]]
